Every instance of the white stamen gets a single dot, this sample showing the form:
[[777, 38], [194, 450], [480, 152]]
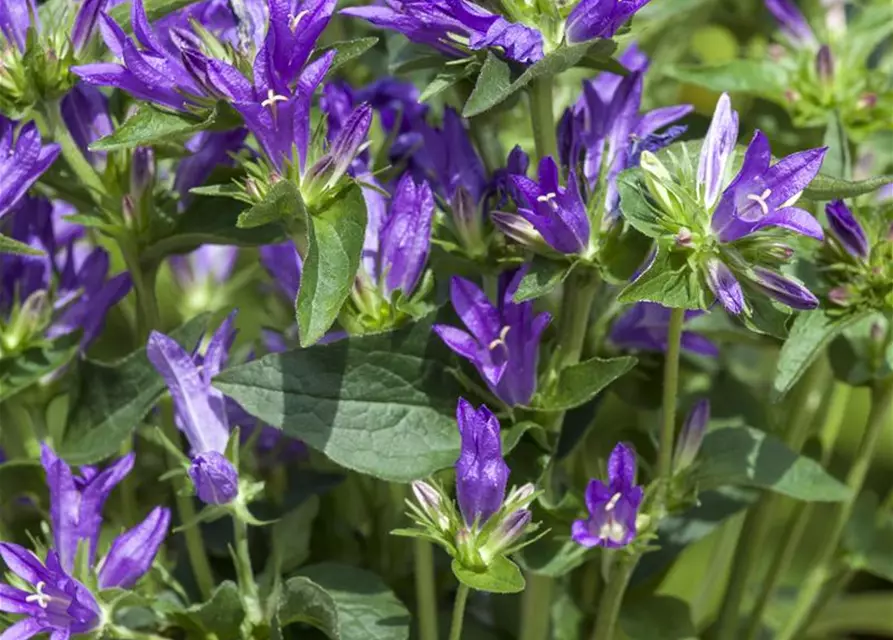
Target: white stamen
[[42, 599], [761, 200], [613, 502], [294, 20], [501, 339], [272, 99], [548, 198], [613, 530]]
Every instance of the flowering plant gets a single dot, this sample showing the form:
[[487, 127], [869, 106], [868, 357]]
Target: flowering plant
[[333, 318]]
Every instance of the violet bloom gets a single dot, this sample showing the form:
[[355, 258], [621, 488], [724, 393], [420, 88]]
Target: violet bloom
[[85, 110], [557, 213], [605, 128], [59, 605], [200, 409], [502, 341], [454, 27], [283, 262], [847, 230], [592, 19], [209, 150], [759, 197], [76, 503], [22, 160], [612, 507], [481, 473], [645, 326], [792, 23], [66, 289], [16, 16]]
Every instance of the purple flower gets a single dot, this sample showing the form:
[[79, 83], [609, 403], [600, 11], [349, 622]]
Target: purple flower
[[502, 342], [208, 267], [692, 435], [592, 19], [759, 197], [22, 160], [15, 18], [283, 262], [449, 155], [66, 288], [454, 27], [398, 250], [133, 552], [85, 23], [86, 114], [343, 150], [847, 230], [209, 149], [200, 409], [557, 213], [76, 503], [792, 23], [612, 507], [59, 605], [481, 473], [645, 327]]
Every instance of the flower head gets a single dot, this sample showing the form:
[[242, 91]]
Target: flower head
[[481, 473], [792, 23], [502, 341], [592, 19], [612, 507], [645, 327], [23, 158], [847, 230]]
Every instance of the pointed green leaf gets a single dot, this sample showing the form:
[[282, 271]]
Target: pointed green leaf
[[502, 576], [760, 77], [283, 202], [744, 456], [446, 78], [10, 245], [512, 436], [493, 81], [810, 334], [542, 277], [825, 187], [669, 281], [334, 244], [347, 50], [581, 382], [304, 601], [380, 404], [21, 371], [367, 609], [114, 399], [220, 616], [637, 211]]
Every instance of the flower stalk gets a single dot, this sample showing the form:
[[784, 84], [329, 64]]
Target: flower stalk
[[426, 592], [459, 613], [612, 597], [542, 118], [670, 395], [51, 121]]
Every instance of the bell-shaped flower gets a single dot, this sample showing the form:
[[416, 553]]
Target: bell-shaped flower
[[557, 213], [454, 27], [847, 230], [481, 473], [132, 553], [502, 341], [592, 19], [23, 158], [612, 506], [792, 23], [57, 605], [646, 325], [199, 408]]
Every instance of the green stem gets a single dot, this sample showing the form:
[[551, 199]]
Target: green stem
[[143, 277], [54, 126], [542, 119], [800, 516], [881, 402], [612, 597], [536, 609], [195, 546], [426, 594], [458, 613], [25, 442], [671, 391], [247, 583]]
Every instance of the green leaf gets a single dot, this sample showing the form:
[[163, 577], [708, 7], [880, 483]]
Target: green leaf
[[283, 202], [669, 281], [810, 334], [865, 613], [381, 404], [657, 618], [553, 557], [760, 77], [221, 616], [367, 609], [22, 478], [637, 211], [21, 371], [152, 125], [347, 50], [825, 187], [446, 78], [541, 278], [302, 600], [553, 64], [581, 382], [9, 245], [837, 160], [744, 456], [868, 538], [155, 9], [493, 81], [334, 244], [211, 221], [114, 399], [512, 436], [291, 536], [502, 576]]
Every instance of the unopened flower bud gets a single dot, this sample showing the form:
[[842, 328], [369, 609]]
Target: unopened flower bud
[[791, 96], [509, 531], [692, 435], [839, 296], [867, 101], [776, 52], [878, 332], [431, 503], [522, 495], [824, 65], [683, 237], [142, 172], [216, 479]]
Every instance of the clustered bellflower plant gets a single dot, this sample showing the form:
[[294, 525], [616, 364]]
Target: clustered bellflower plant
[[445, 319]]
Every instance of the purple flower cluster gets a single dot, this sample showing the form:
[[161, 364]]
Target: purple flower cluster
[[23, 158]]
